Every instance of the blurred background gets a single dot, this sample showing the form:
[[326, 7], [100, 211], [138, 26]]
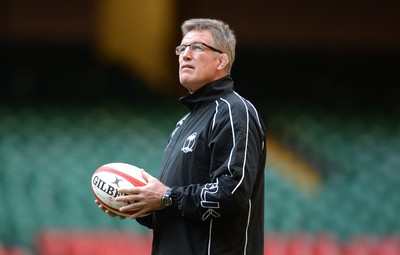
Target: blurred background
[[85, 83]]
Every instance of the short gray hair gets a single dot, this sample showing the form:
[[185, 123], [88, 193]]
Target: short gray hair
[[224, 38]]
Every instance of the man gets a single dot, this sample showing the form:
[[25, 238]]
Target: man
[[209, 198]]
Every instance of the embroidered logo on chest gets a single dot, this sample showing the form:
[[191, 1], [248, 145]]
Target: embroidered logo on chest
[[189, 143]]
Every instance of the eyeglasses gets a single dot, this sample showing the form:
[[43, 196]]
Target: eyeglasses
[[194, 47]]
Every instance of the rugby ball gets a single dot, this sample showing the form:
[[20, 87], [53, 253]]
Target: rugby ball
[[108, 178]]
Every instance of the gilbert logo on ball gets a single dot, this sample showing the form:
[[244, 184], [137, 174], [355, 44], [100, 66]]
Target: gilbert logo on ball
[[107, 179]]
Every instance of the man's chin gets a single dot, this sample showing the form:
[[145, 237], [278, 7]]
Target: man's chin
[[185, 81], [190, 86]]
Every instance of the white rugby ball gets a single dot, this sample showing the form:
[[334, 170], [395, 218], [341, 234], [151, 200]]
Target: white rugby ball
[[108, 178]]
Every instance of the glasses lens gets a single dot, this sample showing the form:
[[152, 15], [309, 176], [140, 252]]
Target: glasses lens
[[179, 49], [196, 47]]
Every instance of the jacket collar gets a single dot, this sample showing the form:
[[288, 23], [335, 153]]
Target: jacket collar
[[208, 92]]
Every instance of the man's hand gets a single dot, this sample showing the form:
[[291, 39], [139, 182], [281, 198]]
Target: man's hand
[[144, 199], [108, 211]]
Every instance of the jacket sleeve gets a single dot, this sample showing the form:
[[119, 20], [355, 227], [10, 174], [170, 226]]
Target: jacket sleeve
[[236, 143]]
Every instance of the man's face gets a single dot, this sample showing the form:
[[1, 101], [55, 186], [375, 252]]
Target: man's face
[[196, 69]]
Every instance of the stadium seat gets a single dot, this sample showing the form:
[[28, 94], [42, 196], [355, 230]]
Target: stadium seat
[[56, 242], [3, 250], [388, 245], [274, 245], [326, 244], [15, 250], [299, 244], [51, 242], [361, 245]]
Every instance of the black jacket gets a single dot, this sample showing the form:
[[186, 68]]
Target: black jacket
[[214, 162]]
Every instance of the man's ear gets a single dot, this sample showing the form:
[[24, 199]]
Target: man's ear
[[223, 61]]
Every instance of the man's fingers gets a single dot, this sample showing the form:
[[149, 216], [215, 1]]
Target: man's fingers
[[148, 177], [132, 207], [140, 213]]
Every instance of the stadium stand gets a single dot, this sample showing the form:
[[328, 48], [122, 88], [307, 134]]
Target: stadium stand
[[355, 156], [48, 156], [48, 153], [53, 242]]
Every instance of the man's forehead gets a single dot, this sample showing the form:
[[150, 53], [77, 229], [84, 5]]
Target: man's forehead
[[197, 36]]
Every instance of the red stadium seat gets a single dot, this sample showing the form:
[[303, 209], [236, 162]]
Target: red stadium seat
[[112, 243], [81, 243], [387, 246], [325, 244], [18, 251], [92, 242], [3, 250], [274, 245], [51, 242], [358, 246], [13, 250], [300, 245]]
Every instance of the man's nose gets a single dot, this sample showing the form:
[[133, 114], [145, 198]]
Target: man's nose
[[187, 53]]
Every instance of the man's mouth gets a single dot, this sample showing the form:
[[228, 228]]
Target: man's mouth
[[187, 66]]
